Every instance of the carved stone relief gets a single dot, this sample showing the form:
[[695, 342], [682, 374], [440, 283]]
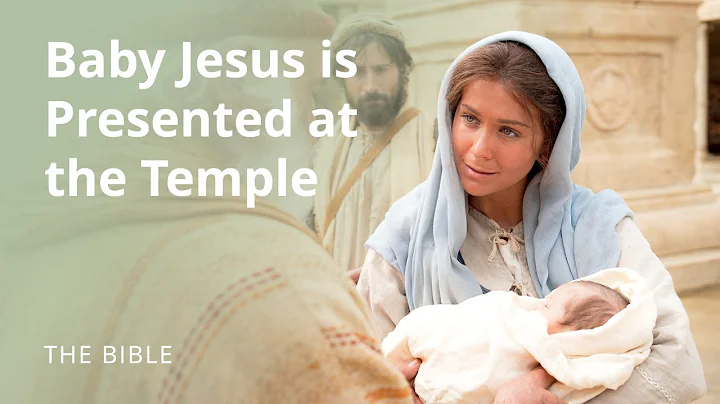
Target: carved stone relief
[[610, 97]]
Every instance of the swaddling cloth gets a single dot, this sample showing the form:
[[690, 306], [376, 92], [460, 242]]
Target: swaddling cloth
[[470, 349]]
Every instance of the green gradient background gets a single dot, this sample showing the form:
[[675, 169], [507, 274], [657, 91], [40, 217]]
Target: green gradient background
[[40, 247]]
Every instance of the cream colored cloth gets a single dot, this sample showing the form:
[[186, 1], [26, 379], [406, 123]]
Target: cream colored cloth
[[501, 252], [254, 310], [246, 324], [469, 350], [403, 164], [672, 373]]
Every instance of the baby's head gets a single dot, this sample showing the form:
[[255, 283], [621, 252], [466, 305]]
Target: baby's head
[[580, 305]]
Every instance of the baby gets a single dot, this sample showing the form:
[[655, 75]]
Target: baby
[[580, 305], [588, 334]]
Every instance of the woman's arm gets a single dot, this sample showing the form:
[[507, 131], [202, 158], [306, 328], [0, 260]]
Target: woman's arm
[[673, 372], [383, 288]]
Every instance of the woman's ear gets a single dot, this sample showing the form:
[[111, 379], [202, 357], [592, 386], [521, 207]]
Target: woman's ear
[[544, 155], [543, 159]]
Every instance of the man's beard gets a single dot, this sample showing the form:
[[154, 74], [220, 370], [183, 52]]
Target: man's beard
[[377, 110]]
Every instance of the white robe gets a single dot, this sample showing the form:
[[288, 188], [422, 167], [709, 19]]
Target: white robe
[[470, 349]]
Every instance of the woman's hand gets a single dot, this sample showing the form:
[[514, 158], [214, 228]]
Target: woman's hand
[[530, 388], [410, 371]]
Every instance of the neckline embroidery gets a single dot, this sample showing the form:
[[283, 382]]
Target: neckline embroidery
[[500, 236]]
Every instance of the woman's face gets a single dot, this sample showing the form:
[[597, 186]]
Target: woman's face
[[494, 140]]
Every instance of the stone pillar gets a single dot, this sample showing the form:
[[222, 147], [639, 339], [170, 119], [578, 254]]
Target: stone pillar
[[638, 62], [709, 16], [701, 106]]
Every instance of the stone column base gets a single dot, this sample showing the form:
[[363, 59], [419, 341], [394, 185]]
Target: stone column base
[[682, 225]]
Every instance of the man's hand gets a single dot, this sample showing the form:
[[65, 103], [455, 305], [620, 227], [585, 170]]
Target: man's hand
[[410, 371], [530, 388], [354, 274]]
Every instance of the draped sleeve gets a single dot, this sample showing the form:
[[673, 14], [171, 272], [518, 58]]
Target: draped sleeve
[[383, 288]]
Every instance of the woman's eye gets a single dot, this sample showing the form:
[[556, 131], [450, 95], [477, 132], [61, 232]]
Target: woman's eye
[[469, 118], [508, 132]]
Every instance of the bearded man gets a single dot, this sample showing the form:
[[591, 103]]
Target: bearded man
[[359, 178], [248, 305]]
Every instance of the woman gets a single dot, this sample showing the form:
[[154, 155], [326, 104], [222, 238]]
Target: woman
[[500, 212]]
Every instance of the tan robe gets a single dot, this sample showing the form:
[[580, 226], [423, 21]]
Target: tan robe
[[404, 163], [672, 373], [254, 310]]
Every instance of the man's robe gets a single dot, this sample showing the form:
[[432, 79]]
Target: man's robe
[[254, 310], [403, 164]]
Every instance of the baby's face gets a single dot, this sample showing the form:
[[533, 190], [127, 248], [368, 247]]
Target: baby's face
[[553, 307]]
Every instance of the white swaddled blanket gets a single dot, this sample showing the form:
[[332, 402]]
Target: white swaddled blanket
[[470, 349]]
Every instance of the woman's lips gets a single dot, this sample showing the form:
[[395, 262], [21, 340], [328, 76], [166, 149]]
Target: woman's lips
[[478, 173]]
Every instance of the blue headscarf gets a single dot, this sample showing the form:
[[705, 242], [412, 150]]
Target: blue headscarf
[[569, 230]]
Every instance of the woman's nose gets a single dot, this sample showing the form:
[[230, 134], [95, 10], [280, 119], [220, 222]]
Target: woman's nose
[[482, 148]]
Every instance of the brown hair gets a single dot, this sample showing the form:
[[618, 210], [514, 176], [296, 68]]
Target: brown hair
[[594, 310], [524, 76], [398, 54], [395, 49]]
